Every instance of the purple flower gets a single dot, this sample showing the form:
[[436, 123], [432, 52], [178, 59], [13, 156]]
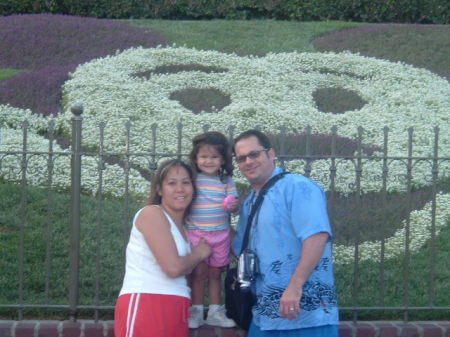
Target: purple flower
[[51, 46]]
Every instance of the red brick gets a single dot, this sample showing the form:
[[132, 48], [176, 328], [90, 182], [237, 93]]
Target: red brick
[[345, 329], [385, 329], [231, 332], [48, 329], [364, 330], [71, 329], [408, 330], [92, 329], [110, 329], [25, 329], [446, 327], [430, 329], [5, 328], [207, 331], [193, 332]]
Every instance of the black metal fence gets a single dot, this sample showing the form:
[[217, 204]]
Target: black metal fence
[[50, 268]]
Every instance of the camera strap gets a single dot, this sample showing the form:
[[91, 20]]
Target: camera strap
[[257, 204]]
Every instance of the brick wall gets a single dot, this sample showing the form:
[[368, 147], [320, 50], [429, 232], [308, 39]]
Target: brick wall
[[105, 329]]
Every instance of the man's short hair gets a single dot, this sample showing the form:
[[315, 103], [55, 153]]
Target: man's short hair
[[263, 140]]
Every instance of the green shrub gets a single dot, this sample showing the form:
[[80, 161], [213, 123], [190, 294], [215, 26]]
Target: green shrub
[[404, 11]]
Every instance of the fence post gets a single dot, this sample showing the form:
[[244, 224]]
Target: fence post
[[74, 273]]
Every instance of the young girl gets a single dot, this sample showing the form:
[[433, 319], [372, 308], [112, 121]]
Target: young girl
[[210, 219]]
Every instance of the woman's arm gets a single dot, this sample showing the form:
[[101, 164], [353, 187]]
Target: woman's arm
[[155, 227]]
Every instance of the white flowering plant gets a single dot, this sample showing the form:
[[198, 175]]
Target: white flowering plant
[[274, 91]]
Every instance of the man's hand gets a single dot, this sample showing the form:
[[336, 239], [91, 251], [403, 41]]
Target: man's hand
[[311, 253], [290, 302]]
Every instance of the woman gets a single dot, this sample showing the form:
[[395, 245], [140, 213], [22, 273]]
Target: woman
[[154, 300]]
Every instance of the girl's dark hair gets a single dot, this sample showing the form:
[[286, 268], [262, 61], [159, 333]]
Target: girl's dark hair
[[160, 175], [221, 144]]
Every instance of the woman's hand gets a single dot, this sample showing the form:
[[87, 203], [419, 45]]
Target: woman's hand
[[203, 249]]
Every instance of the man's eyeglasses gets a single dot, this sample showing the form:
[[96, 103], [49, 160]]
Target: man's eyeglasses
[[251, 155]]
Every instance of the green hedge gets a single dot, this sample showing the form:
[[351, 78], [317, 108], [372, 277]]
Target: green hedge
[[404, 11]]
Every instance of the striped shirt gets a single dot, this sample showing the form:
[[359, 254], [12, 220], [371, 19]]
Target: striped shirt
[[207, 212]]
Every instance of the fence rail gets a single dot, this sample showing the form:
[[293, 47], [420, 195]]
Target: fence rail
[[372, 179]]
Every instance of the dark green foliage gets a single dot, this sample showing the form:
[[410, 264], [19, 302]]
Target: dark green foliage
[[373, 216], [337, 100], [198, 100], [294, 145], [173, 69], [420, 11]]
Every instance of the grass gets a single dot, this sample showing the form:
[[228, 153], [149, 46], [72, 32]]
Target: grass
[[424, 46], [256, 37], [46, 234], [7, 73]]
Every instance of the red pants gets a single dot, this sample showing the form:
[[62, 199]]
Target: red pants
[[151, 315]]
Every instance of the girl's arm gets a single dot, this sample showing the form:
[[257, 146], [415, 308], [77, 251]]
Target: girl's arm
[[153, 224]]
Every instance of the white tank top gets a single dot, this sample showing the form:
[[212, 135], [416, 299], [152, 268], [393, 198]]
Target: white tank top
[[143, 274]]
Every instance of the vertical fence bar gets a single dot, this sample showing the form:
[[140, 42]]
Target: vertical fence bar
[[24, 215], [308, 152], [385, 173], [74, 267], [358, 173], [50, 210], [98, 253], [435, 173], [406, 264], [231, 130], [332, 187], [333, 168], [282, 150], [179, 135], [127, 186], [153, 165]]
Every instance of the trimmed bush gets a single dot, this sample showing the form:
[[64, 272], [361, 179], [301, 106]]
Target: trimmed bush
[[405, 11]]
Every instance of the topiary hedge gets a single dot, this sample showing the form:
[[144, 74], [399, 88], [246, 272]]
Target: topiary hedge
[[404, 11]]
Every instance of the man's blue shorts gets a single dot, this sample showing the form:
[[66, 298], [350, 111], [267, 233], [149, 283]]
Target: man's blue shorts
[[320, 331]]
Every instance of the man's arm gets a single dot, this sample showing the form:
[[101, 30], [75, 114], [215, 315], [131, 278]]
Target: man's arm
[[312, 251]]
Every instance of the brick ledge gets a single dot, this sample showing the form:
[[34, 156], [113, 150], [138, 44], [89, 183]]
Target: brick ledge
[[87, 328]]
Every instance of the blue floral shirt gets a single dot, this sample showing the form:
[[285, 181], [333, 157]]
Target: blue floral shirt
[[293, 210]]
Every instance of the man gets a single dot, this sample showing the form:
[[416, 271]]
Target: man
[[291, 236]]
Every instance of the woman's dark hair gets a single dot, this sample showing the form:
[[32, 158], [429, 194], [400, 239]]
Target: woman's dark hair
[[160, 175], [263, 140], [221, 144]]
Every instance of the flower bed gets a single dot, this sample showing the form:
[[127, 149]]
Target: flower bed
[[273, 91]]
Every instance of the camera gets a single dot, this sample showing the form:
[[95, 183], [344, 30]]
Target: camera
[[247, 268]]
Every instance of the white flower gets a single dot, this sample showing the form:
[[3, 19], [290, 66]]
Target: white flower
[[273, 91]]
